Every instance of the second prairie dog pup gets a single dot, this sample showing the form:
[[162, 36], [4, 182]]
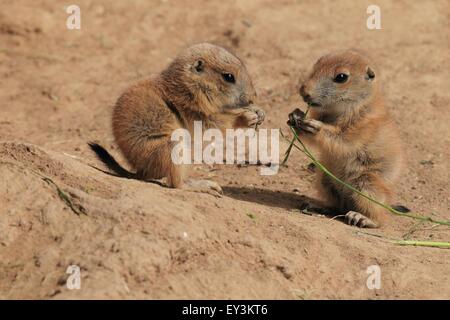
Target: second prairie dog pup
[[356, 137], [203, 83]]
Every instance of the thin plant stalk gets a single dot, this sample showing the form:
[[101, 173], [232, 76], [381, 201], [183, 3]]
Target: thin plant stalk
[[418, 243], [434, 244]]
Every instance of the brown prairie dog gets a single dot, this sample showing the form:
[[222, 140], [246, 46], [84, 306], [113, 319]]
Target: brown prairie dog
[[356, 138], [203, 83]]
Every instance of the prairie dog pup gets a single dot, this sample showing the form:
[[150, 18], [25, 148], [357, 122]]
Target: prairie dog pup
[[204, 83], [356, 137]]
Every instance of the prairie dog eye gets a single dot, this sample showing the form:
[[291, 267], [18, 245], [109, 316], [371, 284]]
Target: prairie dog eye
[[340, 78], [228, 77]]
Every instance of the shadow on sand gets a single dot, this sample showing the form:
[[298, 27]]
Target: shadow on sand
[[278, 199]]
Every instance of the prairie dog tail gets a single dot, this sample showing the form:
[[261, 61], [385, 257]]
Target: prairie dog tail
[[110, 162], [401, 208]]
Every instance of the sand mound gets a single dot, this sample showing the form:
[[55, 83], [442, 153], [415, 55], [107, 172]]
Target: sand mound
[[138, 240]]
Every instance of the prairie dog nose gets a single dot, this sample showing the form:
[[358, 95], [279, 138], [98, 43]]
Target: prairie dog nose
[[305, 94]]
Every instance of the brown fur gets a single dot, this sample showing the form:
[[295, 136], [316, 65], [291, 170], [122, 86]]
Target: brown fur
[[355, 135], [191, 88]]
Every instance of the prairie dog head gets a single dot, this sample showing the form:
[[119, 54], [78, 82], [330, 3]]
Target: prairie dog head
[[339, 81], [213, 76]]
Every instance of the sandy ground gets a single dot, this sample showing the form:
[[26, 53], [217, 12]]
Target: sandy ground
[[137, 240]]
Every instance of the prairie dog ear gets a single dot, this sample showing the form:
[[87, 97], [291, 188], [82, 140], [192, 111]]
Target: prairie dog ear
[[370, 74], [198, 66]]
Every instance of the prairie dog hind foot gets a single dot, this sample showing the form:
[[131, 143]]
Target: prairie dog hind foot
[[351, 218], [354, 218], [203, 186]]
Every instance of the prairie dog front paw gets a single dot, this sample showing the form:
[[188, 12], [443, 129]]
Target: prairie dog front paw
[[251, 117], [298, 121]]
